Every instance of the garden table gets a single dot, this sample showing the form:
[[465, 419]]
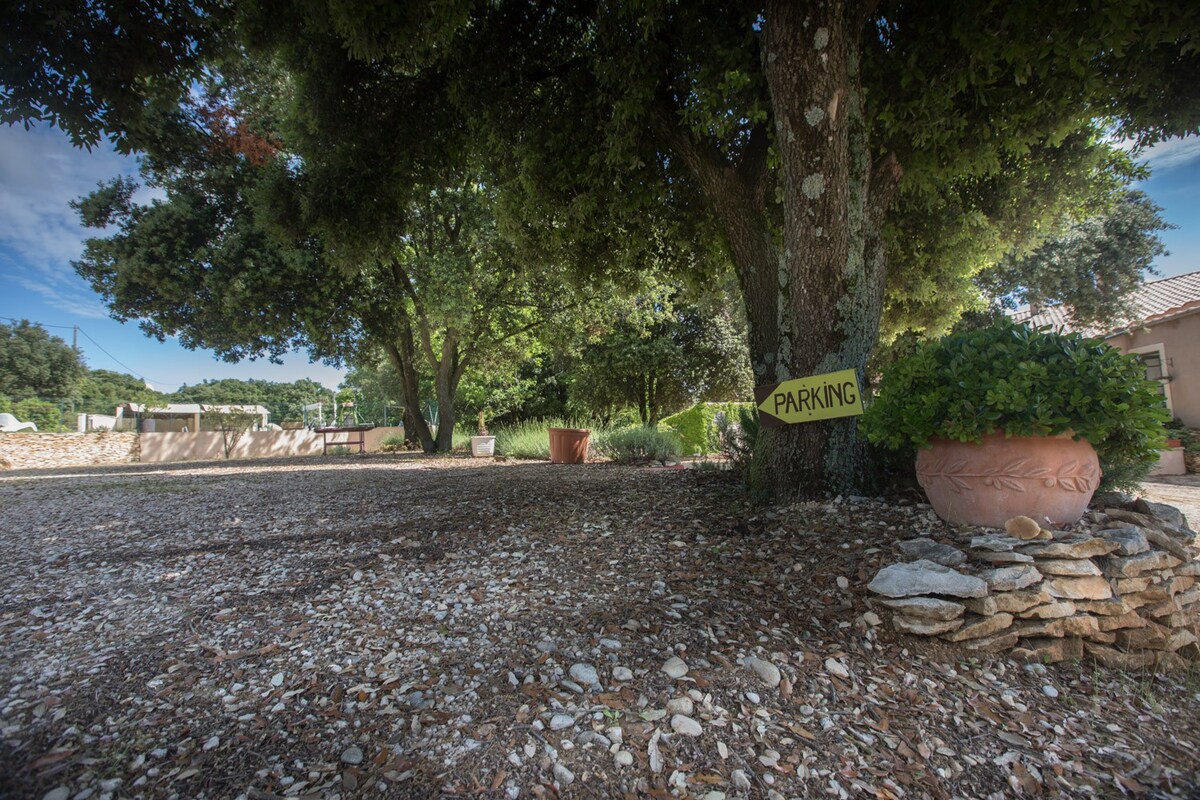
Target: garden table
[[361, 440]]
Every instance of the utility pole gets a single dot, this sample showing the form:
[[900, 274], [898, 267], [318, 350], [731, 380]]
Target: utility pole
[[75, 338]]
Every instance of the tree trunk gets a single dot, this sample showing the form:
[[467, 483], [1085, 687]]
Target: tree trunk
[[829, 292], [447, 374], [403, 357]]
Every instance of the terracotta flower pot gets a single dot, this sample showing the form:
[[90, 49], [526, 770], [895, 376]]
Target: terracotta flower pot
[[569, 445], [1048, 478]]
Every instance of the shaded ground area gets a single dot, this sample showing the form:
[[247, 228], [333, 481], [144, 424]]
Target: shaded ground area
[[406, 627]]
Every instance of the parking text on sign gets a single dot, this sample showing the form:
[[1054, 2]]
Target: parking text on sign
[[828, 396]]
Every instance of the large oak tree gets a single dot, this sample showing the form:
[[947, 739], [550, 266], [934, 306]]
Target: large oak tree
[[804, 141]]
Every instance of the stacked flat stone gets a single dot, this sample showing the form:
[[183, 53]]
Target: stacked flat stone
[[51, 450], [1119, 587]]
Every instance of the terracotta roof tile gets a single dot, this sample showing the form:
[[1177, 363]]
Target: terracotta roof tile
[[1156, 299]]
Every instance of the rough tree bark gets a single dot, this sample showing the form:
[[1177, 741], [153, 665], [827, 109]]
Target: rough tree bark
[[828, 251]]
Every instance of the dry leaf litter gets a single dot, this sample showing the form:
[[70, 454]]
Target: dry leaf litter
[[410, 627]]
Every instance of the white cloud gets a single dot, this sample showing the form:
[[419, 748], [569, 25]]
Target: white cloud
[[1172, 153], [40, 174]]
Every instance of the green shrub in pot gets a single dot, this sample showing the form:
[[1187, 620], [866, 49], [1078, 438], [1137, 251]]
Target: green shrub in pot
[[1023, 382]]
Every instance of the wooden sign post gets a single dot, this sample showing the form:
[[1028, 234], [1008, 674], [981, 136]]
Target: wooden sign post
[[828, 396]]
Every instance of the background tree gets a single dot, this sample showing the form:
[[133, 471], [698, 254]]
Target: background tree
[[1092, 268], [102, 390], [434, 287], [232, 423], [660, 354], [285, 401], [35, 364]]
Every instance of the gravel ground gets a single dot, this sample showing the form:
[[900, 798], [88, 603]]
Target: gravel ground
[[410, 627]]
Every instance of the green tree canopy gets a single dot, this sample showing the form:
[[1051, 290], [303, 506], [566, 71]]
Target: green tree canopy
[[35, 364], [659, 353], [1092, 268], [102, 390], [285, 401], [437, 288], [807, 143]]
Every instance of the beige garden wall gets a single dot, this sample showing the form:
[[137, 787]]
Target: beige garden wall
[[208, 445], [1180, 341]]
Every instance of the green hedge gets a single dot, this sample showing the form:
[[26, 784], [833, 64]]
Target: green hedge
[[697, 427]]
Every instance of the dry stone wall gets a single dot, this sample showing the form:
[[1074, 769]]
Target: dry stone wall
[[1119, 586], [47, 450]]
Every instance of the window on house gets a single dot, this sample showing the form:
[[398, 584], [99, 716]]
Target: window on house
[[1155, 364]]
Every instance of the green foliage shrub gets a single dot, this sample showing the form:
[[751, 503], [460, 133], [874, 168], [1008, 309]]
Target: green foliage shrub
[[1176, 429], [736, 434], [697, 426], [638, 445], [1023, 382], [460, 438], [391, 444], [531, 438], [46, 415]]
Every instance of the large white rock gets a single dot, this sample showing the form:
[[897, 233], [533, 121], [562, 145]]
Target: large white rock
[[925, 577], [767, 672], [675, 667]]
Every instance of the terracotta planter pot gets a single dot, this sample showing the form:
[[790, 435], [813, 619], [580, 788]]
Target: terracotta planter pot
[[1050, 479], [569, 445]]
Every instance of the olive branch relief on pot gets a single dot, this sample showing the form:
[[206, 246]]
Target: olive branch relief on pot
[[1070, 476]]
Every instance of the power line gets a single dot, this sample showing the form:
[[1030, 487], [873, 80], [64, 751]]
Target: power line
[[41, 324], [102, 350], [122, 363]]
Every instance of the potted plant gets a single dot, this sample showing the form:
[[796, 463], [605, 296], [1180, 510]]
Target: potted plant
[[483, 445], [1009, 420]]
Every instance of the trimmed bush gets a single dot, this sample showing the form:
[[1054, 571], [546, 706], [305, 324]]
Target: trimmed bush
[[697, 426], [638, 445]]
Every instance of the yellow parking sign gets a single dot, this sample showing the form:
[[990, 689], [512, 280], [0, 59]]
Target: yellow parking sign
[[828, 396]]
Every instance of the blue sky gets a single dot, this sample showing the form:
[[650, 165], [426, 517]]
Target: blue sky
[[40, 173]]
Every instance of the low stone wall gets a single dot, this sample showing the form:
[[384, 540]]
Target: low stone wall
[[46, 450], [1120, 586]]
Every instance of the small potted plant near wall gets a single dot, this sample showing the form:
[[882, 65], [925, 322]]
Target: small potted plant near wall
[[1007, 420], [483, 445]]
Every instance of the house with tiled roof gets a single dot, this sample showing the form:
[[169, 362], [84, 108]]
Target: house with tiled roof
[[1164, 333]]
